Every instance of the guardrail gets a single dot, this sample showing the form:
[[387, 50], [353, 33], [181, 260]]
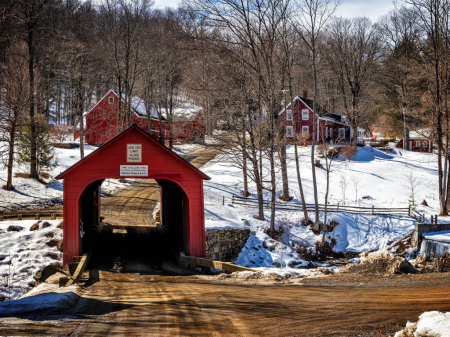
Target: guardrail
[[288, 206], [36, 215], [192, 262]]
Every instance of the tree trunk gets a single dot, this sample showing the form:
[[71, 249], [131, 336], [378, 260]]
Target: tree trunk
[[9, 186], [33, 168], [244, 163], [313, 167]]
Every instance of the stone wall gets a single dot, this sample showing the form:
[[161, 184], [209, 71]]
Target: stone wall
[[225, 244]]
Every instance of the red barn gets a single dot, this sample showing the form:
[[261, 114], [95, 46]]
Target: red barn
[[101, 121], [331, 126]]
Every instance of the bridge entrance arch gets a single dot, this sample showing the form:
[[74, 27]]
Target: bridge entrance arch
[[134, 154]]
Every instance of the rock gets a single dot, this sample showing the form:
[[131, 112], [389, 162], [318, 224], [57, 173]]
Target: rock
[[45, 273], [60, 245], [46, 224], [50, 234], [52, 243], [443, 264], [12, 228], [294, 264], [424, 203], [60, 225], [368, 197], [35, 226], [53, 256], [2, 298]]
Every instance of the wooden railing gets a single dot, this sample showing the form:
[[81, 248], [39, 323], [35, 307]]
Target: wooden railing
[[36, 215], [290, 206]]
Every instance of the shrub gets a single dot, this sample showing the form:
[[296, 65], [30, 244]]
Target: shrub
[[45, 153], [349, 151]]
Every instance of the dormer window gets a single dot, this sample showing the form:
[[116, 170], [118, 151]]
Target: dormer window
[[111, 100], [289, 115], [344, 119], [305, 114]]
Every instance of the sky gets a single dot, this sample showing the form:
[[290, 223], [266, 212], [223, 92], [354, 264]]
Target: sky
[[348, 8]]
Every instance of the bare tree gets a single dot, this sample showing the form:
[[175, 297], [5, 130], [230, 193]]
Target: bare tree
[[14, 95], [309, 23], [352, 49]]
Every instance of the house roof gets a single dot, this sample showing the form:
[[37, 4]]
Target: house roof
[[137, 105], [134, 126]]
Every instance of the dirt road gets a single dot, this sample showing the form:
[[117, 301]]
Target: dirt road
[[149, 305], [134, 205]]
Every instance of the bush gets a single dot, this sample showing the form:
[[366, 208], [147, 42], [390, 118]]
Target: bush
[[349, 151], [45, 152]]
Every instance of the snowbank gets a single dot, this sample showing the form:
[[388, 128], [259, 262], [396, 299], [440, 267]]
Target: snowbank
[[24, 252], [430, 324], [44, 296]]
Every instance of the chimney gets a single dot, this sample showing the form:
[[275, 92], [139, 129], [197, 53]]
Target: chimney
[[305, 94]]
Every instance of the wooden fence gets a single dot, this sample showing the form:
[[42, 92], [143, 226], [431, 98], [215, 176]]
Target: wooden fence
[[36, 215], [290, 206]]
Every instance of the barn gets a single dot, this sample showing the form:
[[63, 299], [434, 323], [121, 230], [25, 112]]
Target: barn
[[331, 126], [134, 154], [102, 119]]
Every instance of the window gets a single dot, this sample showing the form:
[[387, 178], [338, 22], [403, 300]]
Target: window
[[289, 115], [305, 114], [305, 131], [289, 131], [111, 100], [341, 133]]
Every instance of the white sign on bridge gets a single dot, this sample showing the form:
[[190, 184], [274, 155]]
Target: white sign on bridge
[[133, 170], [134, 153]]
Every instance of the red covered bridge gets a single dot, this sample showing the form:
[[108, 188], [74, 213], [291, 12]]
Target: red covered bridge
[[134, 154]]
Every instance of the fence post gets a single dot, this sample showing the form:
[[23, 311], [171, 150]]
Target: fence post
[[223, 201], [409, 210], [338, 207], [423, 217], [232, 199], [268, 203], [373, 209]]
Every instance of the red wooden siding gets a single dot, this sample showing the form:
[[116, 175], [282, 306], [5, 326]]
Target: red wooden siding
[[162, 164]]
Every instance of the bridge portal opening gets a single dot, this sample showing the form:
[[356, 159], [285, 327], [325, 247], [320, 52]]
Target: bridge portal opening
[[142, 231]]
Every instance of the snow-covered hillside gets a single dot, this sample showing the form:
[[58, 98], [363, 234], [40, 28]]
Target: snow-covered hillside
[[382, 181]]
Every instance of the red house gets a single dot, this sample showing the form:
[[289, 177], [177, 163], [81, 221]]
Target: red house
[[331, 126], [417, 143], [101, 121]]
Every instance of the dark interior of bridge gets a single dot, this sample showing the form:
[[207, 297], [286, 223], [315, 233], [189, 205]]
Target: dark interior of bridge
[[125, 230]]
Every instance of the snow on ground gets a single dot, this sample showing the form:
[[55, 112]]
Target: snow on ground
[[30, 193], [443, 236], [430, 324], [380, 177], [44, 296], [23, 253]]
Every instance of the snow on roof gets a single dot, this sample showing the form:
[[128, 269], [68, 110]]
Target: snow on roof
[[138, 105]]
